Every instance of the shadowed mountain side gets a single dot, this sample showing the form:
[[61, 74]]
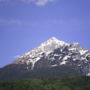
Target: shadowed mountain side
[[19, 72]]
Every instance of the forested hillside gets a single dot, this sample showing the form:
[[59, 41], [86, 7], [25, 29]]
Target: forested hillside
[[65, 83]]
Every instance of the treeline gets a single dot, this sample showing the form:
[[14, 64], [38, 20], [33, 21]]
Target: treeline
[[65, 83]]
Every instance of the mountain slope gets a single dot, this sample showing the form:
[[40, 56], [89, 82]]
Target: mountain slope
[[53, 58]]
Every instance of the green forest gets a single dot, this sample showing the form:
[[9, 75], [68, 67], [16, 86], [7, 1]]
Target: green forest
[[65, 83]]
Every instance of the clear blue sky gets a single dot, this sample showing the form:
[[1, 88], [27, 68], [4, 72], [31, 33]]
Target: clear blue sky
[[24, 24]]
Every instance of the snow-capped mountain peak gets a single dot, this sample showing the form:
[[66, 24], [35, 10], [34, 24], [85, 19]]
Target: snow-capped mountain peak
[[53, 53], [53, 58], [51, 44], [36, 54]]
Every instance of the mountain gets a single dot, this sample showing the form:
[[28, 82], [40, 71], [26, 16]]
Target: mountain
[[53, 58]]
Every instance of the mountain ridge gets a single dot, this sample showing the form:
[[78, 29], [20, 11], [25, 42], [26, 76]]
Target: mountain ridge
[[47, 47], [54, 58]]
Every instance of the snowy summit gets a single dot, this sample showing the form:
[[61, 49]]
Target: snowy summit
[[52, 56], [56, 52]]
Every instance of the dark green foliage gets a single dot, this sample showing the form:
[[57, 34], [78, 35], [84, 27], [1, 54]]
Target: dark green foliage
[[65, 83]]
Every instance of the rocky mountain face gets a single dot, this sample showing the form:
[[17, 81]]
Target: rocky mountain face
[[53, 58]]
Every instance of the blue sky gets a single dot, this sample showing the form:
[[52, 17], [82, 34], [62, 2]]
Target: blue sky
[[24, 24]]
